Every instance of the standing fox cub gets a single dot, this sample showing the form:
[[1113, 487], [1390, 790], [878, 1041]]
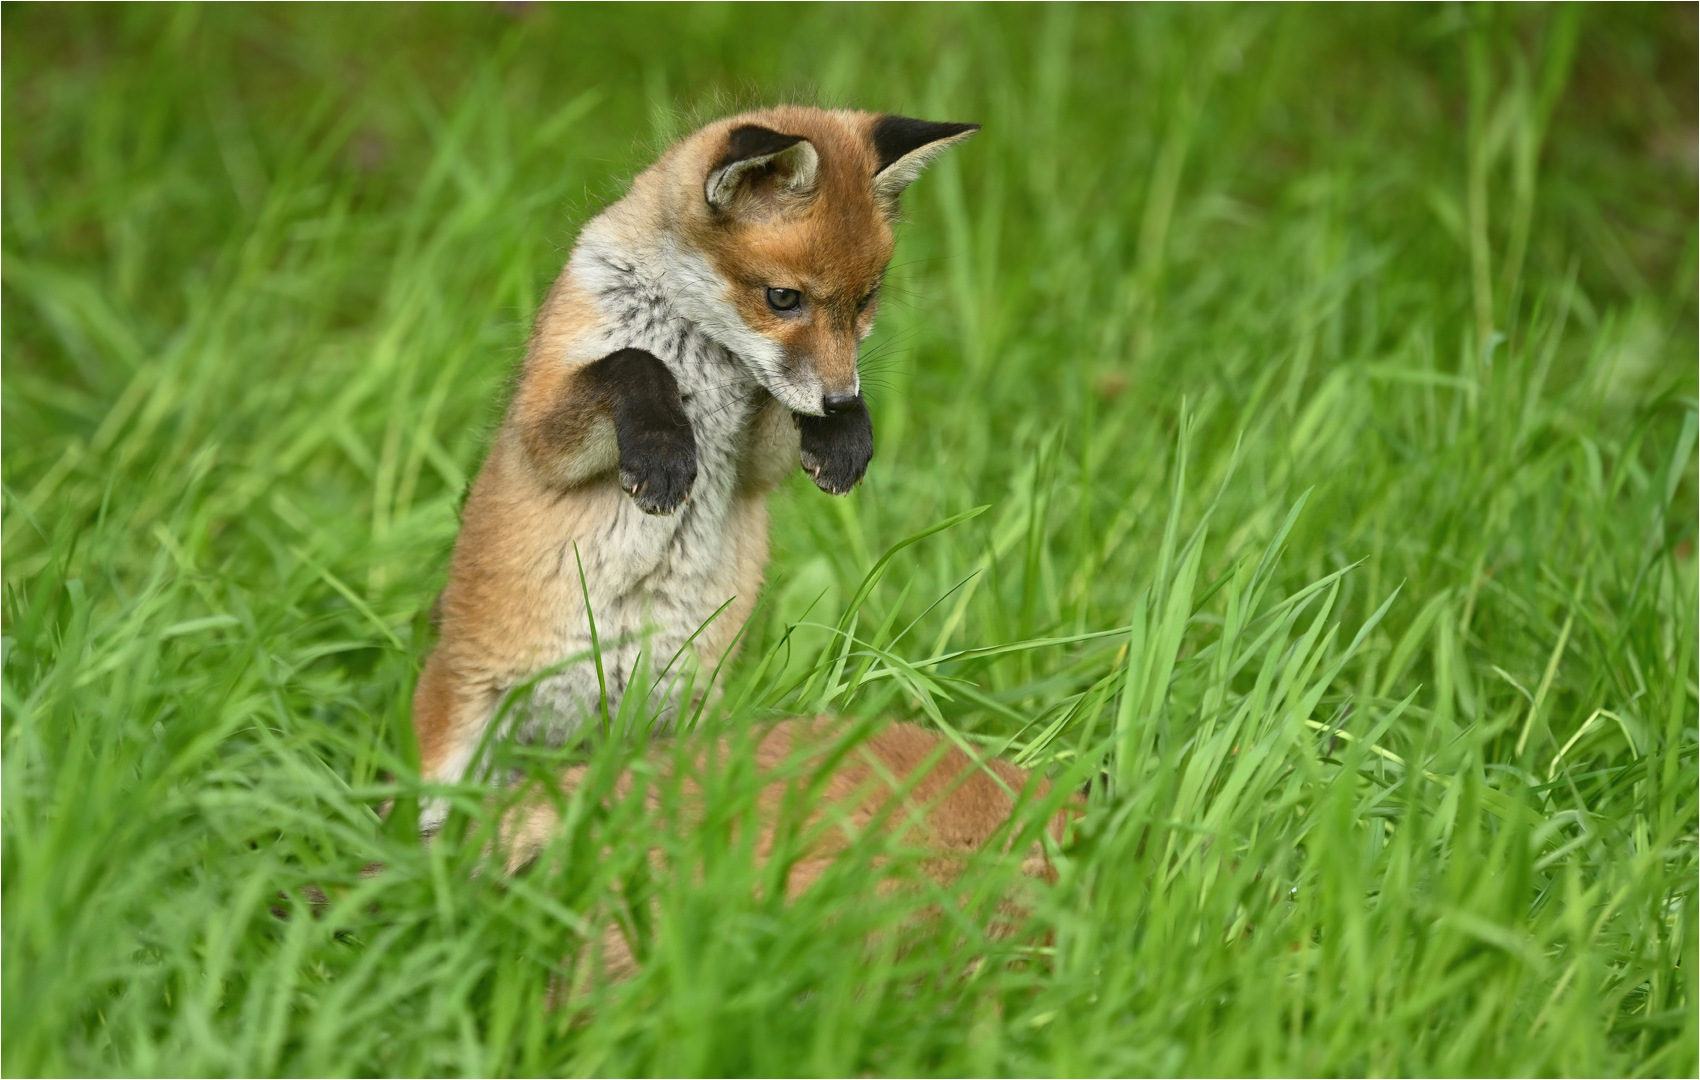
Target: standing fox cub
[[699, 345]]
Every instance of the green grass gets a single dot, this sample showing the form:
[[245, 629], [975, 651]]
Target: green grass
[[1328, 375]]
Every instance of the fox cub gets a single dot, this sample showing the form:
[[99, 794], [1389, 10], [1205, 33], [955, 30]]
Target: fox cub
[[901, 781], [700, 344]]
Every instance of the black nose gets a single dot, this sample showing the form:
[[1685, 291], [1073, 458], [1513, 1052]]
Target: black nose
[[834, 403]]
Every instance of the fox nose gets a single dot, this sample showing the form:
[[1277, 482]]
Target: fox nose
[[835, 403]]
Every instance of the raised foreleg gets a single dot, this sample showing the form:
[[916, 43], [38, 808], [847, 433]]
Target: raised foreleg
[[622, 411], [837, 447]]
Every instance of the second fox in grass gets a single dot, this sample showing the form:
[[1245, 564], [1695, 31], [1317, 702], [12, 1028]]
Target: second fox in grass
[[700, 344], [821, 789]]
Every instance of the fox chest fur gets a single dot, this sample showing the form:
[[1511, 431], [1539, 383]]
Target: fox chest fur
[[653, 581], [699, 345]]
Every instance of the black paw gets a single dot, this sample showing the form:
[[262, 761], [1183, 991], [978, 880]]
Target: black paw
[[658, 450], [837, 447], [658, 466]]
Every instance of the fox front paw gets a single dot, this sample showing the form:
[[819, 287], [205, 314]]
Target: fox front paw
[[836, 448], [658, 467]]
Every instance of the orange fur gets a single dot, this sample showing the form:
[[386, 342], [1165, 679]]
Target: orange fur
[[903, 780], [666, 272]]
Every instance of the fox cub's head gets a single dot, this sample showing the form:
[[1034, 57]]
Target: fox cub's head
[[783, 219]]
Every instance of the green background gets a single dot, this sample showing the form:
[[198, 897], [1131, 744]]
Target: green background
[[1328, 374]]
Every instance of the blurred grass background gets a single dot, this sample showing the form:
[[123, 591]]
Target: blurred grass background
[[1329, 374]]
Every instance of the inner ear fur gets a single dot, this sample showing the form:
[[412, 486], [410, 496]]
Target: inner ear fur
[[905, 146], [760, 163]]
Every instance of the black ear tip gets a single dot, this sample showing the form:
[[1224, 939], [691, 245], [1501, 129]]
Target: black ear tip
[[895, 136], [751, 141]]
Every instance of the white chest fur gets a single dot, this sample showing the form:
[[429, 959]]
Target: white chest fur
[[653, 582]]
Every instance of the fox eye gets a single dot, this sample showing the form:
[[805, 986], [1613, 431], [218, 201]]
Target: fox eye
[[784, 299]]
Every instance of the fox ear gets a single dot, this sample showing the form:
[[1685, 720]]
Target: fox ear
[[906, 146], [758, 161]]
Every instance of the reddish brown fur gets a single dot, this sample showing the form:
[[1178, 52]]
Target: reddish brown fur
[[903, 780], [550, 481], [834, 250]]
